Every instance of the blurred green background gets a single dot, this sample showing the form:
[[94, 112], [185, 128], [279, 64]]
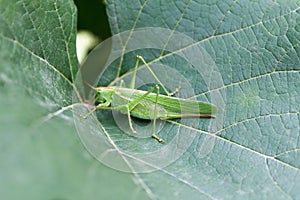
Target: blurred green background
[[92, 26], [92, 16]]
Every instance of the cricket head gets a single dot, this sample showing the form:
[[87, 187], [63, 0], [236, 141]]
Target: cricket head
[[104, 95]]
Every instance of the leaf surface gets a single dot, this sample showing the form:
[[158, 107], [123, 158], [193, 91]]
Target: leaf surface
[[41, 154], [255, 46]]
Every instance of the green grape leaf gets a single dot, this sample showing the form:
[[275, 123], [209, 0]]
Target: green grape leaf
[[255, 46]]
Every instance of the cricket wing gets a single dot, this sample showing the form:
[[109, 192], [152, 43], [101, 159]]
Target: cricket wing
[[184, 106], [145, 109]]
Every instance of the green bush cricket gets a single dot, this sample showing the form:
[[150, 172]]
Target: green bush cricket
[[148, 105]]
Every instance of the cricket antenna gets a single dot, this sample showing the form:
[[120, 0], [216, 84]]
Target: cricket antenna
[[88, 84], [93, 88]]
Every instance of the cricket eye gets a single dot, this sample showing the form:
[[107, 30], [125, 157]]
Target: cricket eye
[[101, 99]]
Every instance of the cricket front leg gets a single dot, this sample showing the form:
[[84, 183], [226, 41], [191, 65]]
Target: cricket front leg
[[89, 113], [100, 106]]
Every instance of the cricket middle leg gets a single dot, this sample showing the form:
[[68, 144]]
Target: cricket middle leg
[[155, 117], [135, 102]]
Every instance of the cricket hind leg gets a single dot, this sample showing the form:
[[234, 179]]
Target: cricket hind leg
[[122, 83], [132, 82], [154, 76], [175, 91], [183, 115]]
